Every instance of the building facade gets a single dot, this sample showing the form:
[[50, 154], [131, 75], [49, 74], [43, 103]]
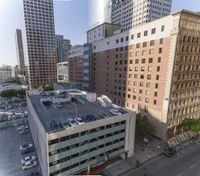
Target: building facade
[[102, 31], [76, 65], [59, 48], [63, 72], [20, 51], [41, 43], [84, 133], [153, 69], [67, 47], [5, 73], [131, 13]]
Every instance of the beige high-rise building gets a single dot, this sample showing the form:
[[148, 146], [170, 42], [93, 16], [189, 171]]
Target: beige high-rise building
[[41, 44], [154, 69], [131, 13], [20, 50]]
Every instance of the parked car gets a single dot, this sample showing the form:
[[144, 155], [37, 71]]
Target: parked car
[[29, 165], [28, 158], [26, 146], [169, 151], [23, 127], [24, 131], [79, 120], [72, 122]]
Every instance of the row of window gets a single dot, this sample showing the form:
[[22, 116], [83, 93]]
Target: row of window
[[85, 132]]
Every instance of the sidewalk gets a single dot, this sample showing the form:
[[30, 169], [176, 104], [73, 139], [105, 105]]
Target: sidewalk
[[141, 154]]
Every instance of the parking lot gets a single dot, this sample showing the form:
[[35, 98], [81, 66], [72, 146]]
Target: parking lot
[[10, 160], [13, 116]]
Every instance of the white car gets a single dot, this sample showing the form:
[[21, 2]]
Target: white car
[[72, 122], [26, 146], [115, 112], [29, 165], [23, 127], [79, 120], [28, 158]]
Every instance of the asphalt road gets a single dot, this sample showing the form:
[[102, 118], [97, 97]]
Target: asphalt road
[[184, 163]]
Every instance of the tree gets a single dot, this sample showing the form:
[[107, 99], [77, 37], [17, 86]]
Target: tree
[[48, 87], [191, 125], [21, 92], [9, 93], [143, 127]]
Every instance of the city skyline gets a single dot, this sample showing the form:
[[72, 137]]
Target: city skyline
[[70, 29]]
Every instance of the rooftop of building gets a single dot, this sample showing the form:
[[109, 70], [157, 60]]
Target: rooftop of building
[[64, 109]]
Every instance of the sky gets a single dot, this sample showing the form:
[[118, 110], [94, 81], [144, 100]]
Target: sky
[[71, 20]]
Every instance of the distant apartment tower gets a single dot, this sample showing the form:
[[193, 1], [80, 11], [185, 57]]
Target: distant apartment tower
[[59, 48], [131, 13], [66, 47], [76, 65], [41, 43], [62, 48], [20, 51], [108, 11], [153, 69], [5, 73]]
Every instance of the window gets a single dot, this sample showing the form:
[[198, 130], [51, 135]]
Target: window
[[138, 35], [149, 77], [156, 85], [142, 68], [122, 39], [155, 94], [153, 31], [154, 102], [161, 41], [137, 53], [144, 44], [162, 28], [160, 50], [136, 61], [159, 59], [143, 52], [157, 77], [158, 68], [147, 92], [145, 33], [150, 60], [117, 41], [126, 38], [152, 42], [149, 68], [148, 84], [143, 61], [151, 51], [138, 45], [132, 37]]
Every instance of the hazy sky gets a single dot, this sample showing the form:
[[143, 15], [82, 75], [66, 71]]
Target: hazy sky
[[71, 20]]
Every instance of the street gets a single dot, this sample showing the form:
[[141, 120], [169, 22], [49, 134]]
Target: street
[[184, 163]]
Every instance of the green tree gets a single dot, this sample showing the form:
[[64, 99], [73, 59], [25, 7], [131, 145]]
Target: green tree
[[143, 127], [9, 93], [191, 125], [48, 87], [21, 92]]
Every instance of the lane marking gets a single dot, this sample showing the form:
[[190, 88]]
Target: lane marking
[[181, 174], [192, 166]]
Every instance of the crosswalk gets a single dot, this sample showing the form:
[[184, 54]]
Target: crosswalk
[[183, 137]]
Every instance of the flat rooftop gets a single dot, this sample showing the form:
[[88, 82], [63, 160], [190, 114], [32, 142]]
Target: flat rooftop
[[59, 112]]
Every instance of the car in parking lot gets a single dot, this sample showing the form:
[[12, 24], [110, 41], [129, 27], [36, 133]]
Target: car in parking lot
[[29, 165], [23, 131], [79, 120], [28, 158], [72, 122], [26, 147], [23, 127]]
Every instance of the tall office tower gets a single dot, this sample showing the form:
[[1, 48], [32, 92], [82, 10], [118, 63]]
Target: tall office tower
[[107, 11], [154, 69], [59, 48], [66, 47], [41, 43], [131, 13], [20, 51], [96, 12]]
